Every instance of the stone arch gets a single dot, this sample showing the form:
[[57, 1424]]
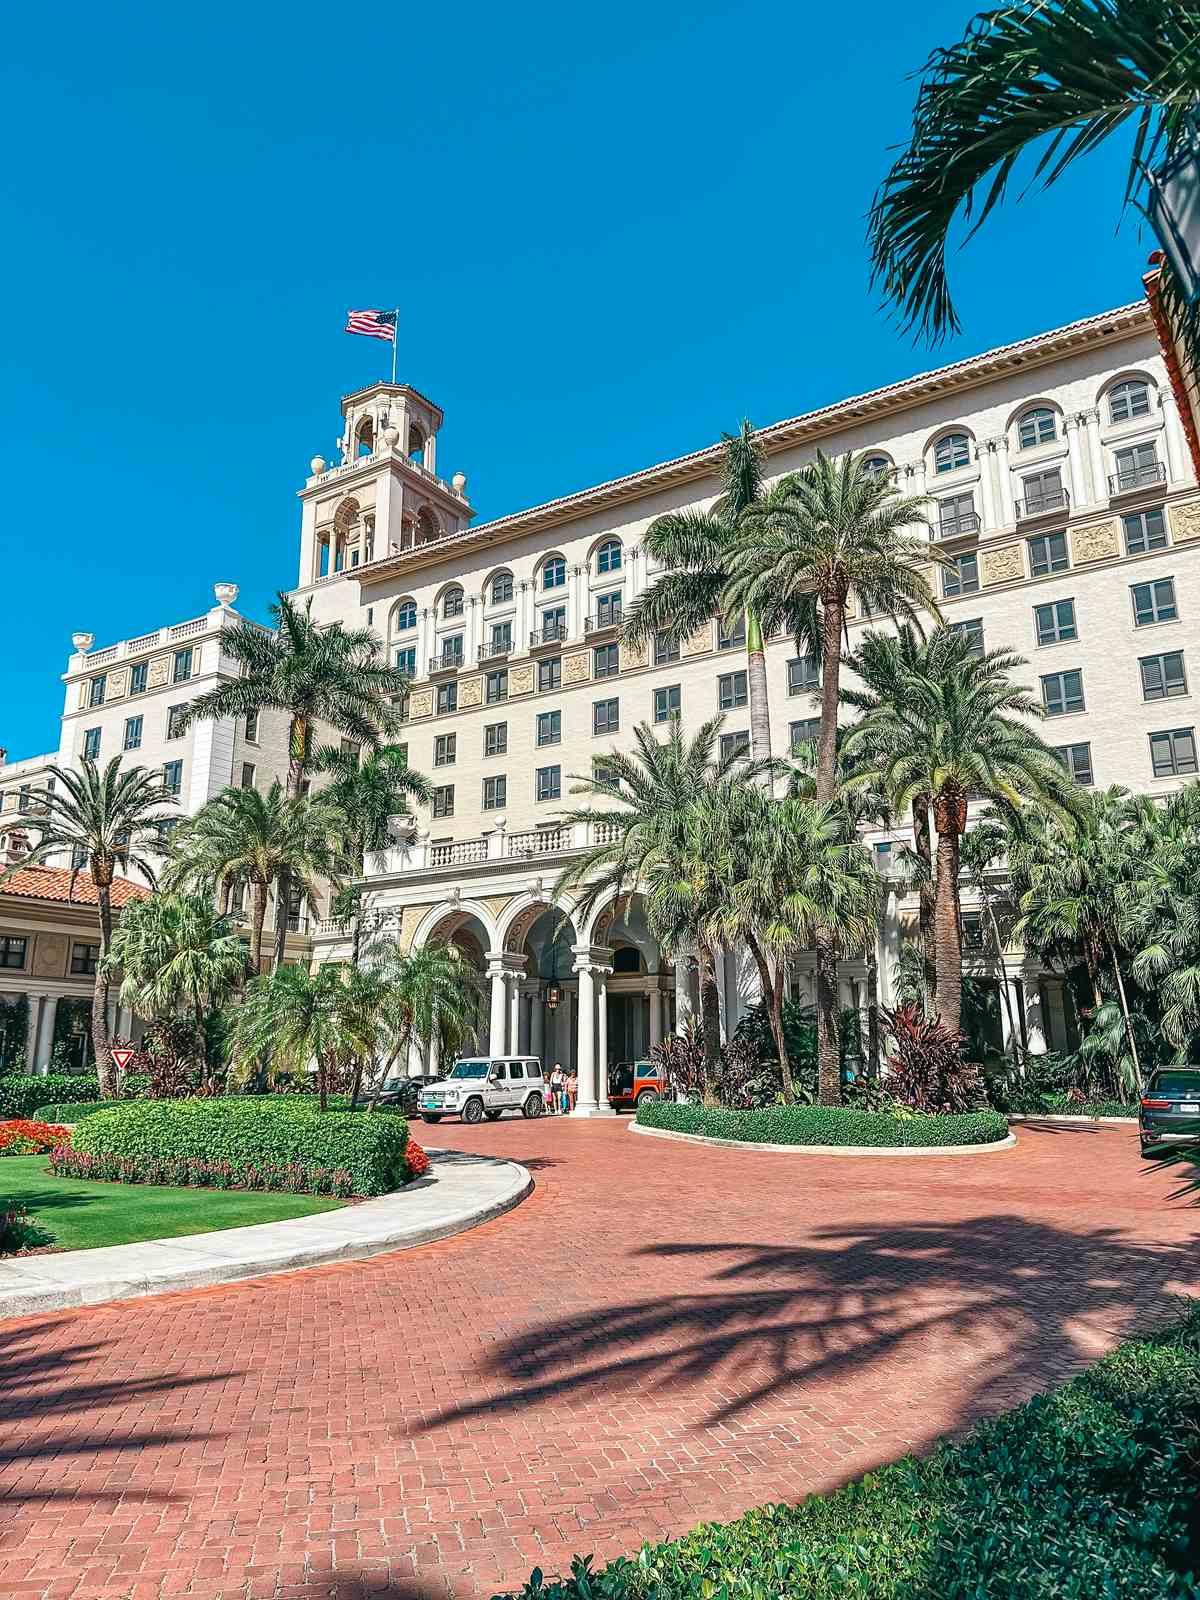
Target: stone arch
[[364, 437], [428, 527], [447, 592], [610, 543], [1025, 409], [1130, 375], [498, 574], [521, 914], [416, 442], [938, 436], [443, 921], [408, 605]]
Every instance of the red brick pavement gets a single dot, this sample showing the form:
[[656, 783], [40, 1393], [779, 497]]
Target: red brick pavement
[[659, 1335]]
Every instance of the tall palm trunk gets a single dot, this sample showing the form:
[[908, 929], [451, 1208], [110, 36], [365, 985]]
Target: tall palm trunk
[[923, 849], [950, 821], [258, 916], [772, 992], [710, 1016], [297, 758], [760, 710], [829, 1054], [101, 1046], [873, 1011], [1133, 1049]]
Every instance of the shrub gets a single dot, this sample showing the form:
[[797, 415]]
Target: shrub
[[25, 1138], [831, 1125], [180, 1172], [926, 1070], [275, 1131], [1086, 1492], [19, 1232], [76, 1110], [20, 1096]]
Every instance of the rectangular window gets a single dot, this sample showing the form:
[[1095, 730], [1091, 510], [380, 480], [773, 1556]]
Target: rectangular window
[[1145, 531], [175, 716], [96, 690], [1077, 758], [962, 575], [804, 674], [495, 739], [445, 749], [971, 923], [248, 770], [606, 660], [1136, 467], [12, 951], [1062, 692], [495, 793], [606, 716], [183, 665], [452, 651], [608, 610], [956, 514], [734, 745], [1048, 553], [406, 661], [85, 958], [1043, 492], [665, 649], [550, 673], [443, 800], [804, 732], [173, 777], [667, 703], [447, 698], [501, 637], [553, 624], [1154, 602], [133, 733], [24, 797], [496, 686], [732, 690], [731, 637], [548, 785], [400, 701], [137, 678], [1173, 754], [251, 732], [1055, 622], [549, 727], [972, 632], [79, 854], [1163, 677], [91, 745]]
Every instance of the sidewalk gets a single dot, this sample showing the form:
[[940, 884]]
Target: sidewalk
[[457, 1193]]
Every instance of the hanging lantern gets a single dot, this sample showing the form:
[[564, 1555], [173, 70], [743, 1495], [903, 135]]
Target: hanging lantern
[[1173, 208], [553, 995]]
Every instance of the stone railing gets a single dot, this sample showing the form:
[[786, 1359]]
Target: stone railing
[[420, 854]]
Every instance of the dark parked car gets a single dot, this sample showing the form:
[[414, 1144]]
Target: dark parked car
[[1170, 1109], [403, 1092]]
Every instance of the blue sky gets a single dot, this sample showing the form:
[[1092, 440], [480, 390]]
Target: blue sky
[[612, 234]]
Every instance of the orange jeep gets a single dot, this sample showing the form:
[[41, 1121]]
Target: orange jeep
[[632, 1083]]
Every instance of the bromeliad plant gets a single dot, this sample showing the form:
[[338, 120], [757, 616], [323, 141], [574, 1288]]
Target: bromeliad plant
[[926, 1071]]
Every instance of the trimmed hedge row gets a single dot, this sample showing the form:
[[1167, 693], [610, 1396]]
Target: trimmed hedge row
[[76, 1110], [21, 1094], [253, 1133], [831, 1125], [1087, 1492]]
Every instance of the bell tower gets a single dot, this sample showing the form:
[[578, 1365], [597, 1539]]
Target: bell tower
[[384, 494]]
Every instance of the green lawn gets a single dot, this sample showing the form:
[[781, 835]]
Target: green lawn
[[82, 1215]]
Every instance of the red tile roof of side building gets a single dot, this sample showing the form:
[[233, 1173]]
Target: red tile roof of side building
[[72, 888]]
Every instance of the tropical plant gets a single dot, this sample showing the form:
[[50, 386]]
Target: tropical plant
[[296, 1019], [103, 819], [176, 954], [1057, 78], [1158, 916], [926, 1070], [983, 856], [960, 728], [333, 675], [429, 994], [680, 1058], [243, 837]]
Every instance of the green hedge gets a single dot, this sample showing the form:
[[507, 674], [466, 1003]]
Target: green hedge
[[245, 1132], [1087, 1492], [76, 1110], [21, 1094], [832, 1125]]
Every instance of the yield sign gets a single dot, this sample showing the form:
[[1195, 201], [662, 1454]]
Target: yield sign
[[122, 1058]]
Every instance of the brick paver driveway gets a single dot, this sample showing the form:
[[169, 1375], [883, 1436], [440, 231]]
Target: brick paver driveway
[[660, 1334]]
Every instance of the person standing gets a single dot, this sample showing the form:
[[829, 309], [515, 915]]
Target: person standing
[[558, 1083], [572, 1089]]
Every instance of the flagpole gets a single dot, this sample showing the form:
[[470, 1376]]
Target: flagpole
[[395, 330]]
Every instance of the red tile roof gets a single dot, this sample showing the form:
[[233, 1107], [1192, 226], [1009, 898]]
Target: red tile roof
[[56, 883]]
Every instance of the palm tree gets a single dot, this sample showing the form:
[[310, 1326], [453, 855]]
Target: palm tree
[[648, 794], [984, 849], [176, 953], [367, 792], [334, 675], [103, 819], [243, 836], [430, 993], [1065, 76], [696, 546], [295, 1017], [1159, 916], [960, 730]]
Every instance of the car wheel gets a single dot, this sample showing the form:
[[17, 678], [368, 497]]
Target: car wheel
[[647, 1095], [534, 1106], [431, 1116], [492, 1116], [473, 1111]]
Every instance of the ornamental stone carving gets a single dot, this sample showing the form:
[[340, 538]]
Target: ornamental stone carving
[[1096, 541], [158, 672], [577, 668], [700, 643], [635, 655], [1185, 521], [470, 692], [1002, 565], [420, 703], [118, 684], [50, 955], [521, 679]]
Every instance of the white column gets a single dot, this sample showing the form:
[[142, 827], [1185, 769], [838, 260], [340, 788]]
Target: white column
[[33, 1024], [577, 602], [586, 1104], [684, 1005], [524, 623], [1006, 511], [1034, 1027], [46, 1043], [435, 1056], [1079, 487], [1176, 448], [471, 641], [495, 974], [655, 1016], [415, 1064], [602, 1040], [514, 1014], [987, 511], [1095, 454]]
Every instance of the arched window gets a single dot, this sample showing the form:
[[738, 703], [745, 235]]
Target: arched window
[[405, 616], [627, 958], [366, 437], [452, 603], [1037, 427], [502, 588], [952, 450], [608, 557], [1128, 400], [554, 573], [416, 443], [427, 526], [877, 466]]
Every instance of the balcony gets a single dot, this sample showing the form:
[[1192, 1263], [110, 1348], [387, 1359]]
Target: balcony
[[1154, 472], [552, 633], [606, 622], [952, 527], [448, 661], [1050, 502], [492, 849], [493, 652]]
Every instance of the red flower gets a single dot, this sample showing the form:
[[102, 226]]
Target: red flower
[[418, 1161], [20, 1137]]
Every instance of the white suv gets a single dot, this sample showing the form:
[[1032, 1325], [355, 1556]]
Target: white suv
[[483, 1086]]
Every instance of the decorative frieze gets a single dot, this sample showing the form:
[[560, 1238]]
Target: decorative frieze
[[700, 643], [1003, 565], [578, 667], [118, 684], [158, 672], [420, 704], [470, 693], [1096, 541], [1185, 521], [50, 955], [635, 655], [521, 679]]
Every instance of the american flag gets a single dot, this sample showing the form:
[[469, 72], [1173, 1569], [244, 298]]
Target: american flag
[[374, 324]]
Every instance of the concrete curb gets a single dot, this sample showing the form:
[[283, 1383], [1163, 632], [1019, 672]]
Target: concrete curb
[[459, 1192], [831, 1149], [1062, 1116]]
